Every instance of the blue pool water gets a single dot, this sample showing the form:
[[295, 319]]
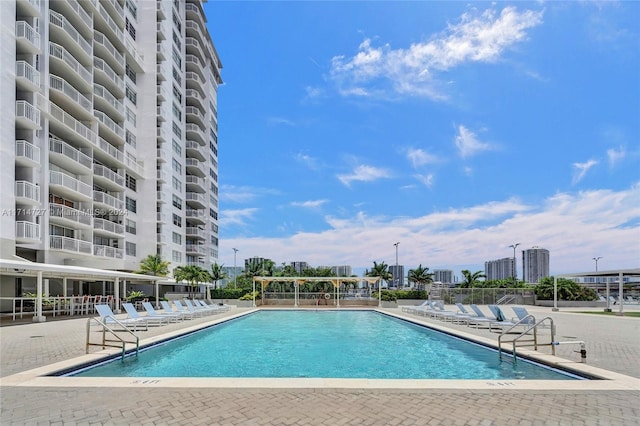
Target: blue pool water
[[338, 344]]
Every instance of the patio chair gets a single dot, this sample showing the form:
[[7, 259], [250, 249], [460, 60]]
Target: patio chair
[[440, 312], [521, 313], [171, 316], [197, 308], [183, 314], [213, 308], [151, 320], [187, 308], [501, 321], [221, 306], [109, 319], [480, 317], [410, 309]]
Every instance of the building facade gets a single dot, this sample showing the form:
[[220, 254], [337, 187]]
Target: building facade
[[500, 269], [397, 271], [109, 133], [443, 276], [535, 264]]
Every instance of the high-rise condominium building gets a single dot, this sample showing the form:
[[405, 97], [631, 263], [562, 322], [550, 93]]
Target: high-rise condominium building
[[535, 264], [109, 132], [397, 271], [342, 270], [443, 275], [500, 269]]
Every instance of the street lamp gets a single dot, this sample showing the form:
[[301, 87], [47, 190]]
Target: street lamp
[[235, 271], [596, 259], [515, 273], [394, 278]]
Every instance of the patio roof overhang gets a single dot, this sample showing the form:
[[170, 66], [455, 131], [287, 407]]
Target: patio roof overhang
[[48, 270], [633, 272]]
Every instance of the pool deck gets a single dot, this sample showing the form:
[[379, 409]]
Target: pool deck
[[613, 344]]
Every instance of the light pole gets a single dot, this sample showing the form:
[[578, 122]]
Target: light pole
[[515, 273], [394, 278], [596, 259], [235, 271]]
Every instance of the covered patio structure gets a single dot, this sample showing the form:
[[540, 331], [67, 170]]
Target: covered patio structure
[[44, 271]]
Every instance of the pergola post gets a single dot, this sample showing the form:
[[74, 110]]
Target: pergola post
[[254, 292], [116, 292], [620, 290], [555, 294], [64, 287], [38, 317], [157, 294]]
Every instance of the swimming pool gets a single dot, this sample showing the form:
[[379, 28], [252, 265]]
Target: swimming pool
[[321, 344]]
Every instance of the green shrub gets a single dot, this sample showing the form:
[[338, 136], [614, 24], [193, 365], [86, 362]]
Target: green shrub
[[411, 294], [567, 290], [229, 293], [250, 296], [387, 296]]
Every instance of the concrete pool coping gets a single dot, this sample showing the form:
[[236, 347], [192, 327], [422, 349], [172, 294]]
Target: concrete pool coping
[[607, 380]]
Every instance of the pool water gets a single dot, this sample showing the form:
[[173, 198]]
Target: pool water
[[321, 344]]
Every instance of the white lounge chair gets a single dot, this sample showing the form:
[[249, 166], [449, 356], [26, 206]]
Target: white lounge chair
[[480, 317], [183, 314], [197, 308], [410, 309], [151, 320], [109, 319], [501, 320], [171, 316], [187, 308]]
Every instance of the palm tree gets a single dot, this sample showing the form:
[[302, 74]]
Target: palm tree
[[471, 279], [420, 276], [381, 271], [154, 265], [217, 274], [193, 274]]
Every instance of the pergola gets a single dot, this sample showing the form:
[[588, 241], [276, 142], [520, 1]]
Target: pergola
[[41, 271], [619, 273], [297, 281]]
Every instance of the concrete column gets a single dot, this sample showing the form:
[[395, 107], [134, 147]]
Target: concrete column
[[38, 308]]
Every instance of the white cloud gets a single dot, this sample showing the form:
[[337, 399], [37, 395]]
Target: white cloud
[[237, 217], [468, 144], [307, 160], [310, 204], [276, 121], [615, 155], [414, 70], [581, 169], [419, 157], [426, 180], [243, 194], [574, 227], [364, 173]]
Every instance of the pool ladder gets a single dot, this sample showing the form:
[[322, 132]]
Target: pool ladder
[[533, 341], [116, 341]]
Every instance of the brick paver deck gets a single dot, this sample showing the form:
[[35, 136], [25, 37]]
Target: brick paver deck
[[612, 343]]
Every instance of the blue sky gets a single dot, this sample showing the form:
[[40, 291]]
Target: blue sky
[[454, 128]]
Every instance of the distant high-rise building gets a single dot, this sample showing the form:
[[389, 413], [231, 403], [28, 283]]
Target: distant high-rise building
[[535, 264], [256, 262], [342, 270], [443, 276], [398, 275], [499, 269], [299, 267]]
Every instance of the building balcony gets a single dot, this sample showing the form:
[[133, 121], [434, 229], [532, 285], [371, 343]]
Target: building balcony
[[68, 157], [194, 13], [65, 215], [195, 150], [63, 32], [194, 98], [195, 167], [160, 114], [162, 94], [109, 128], [194, 47], [108, 103], [196, 216], [195, 199], [162, 156], [105, 24], [115, 10], [160, 31], [70, 244], [27, 232], [66, 126], [195, 184], [162, 176], [161, 134], [72, 10], [192, 29], [103, 48], [107, 227], [27, 38], [27, 193], [193, 64], [160, 73], [28, 8], [27, 116], [61, 62], [69, 98], [27, 154], [194, 115], [195, 249], [195, 132], [162, 197], [161, 11], [161, 52], [195, 81], [107, 77], [107, 178], [68, 186], [196, 233], [102, 200], [27, 77]]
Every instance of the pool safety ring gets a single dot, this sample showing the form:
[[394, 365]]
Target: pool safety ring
[[327, 296]]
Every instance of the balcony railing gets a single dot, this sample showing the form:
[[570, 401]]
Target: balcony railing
[[107, 251], [109, 200], [26, 31], [194, 196], [25, 149], [105, 94], [60, 21], [193, 248], [107, 225], [28, 72], [58, 178], [107, 121], [193, 231], [69, 213], [105, 172], [27, 190], [70, 244], [113, 152], [110, 23], [59, 52], [27, 230], [60, 147], [27, 111], [195, 214], [101, 65], [78, 127], [63, 86]]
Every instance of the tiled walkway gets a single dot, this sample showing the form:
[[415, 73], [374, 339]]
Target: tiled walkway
[[612, 343]]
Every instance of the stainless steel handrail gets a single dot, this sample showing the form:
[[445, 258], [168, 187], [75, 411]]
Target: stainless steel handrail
[[106, 342], [528, 320]]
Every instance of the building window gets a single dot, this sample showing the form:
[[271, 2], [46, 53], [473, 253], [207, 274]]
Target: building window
[[131, 116], [177, 113], [176, 21], [132, 8], [177, 167], [130, 138], [130, 73], [131, 204], [177, 75], [177, 185], [176, 130], [131, 94], [130, 226], [177, 238], [176, 147], [176, 40], [130, 28], [176, 256], [177, 220], [177, 202], [130, 248], [176, 58], [131, 182], [177, 94]]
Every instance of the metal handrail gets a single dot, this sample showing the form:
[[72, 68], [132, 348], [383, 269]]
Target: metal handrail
[[527, 320], [106, 342]]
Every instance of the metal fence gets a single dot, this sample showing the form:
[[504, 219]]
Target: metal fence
[[485, 296]]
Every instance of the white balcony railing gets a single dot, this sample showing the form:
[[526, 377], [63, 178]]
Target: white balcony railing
[[78, 127], [109, 200], [69, 213], [27, 71], [63, 86], [105, 94], [101, 65], [195, 214], [107, 121], [59, 52], [113, 152], [70, 244], [25, 149], [107, 225], [107, 173], [25, 110], [27, 230], [61, 147], [58, 178], [26, 31], [27, 190], [60, 21], [107, 251]]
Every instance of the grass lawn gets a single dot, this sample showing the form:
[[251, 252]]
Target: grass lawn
[[626, 313]]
